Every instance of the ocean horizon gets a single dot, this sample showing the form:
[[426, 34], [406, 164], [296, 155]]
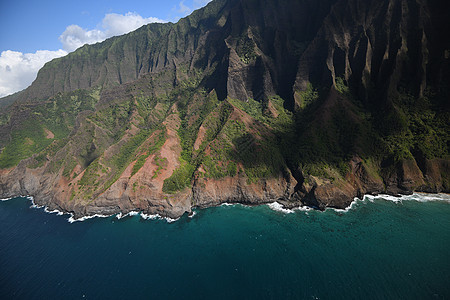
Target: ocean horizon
[[382, 247]]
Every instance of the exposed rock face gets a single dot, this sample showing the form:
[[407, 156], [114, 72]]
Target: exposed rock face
[[304, 102]]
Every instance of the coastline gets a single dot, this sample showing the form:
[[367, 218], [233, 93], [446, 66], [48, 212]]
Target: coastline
[[275, 206]]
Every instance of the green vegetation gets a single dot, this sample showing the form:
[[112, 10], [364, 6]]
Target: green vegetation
[[192, 114], [180, 178], [127, 151], [70, 165], [44, 123], [251, 107], [246, 49], [415, 128], [139, 163], [161, 163], [256, 138], [341, 86], [114, 118], [29, 139], [231, 142], [308, 96], [156, 145]]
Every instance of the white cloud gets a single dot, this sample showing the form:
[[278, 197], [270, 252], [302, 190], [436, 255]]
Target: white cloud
[[18, 70], [201, 3], [185, 9], [74, 36], [115, 24], [112, 24]]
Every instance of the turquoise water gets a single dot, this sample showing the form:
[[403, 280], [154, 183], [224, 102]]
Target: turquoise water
[[377, 250]]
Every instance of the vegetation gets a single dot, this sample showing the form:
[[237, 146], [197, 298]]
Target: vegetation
[[156, 145], [308, 96], [258, 139], [246, 49], [29, 139], [161, 163], [42, 124], [180, 178], [415, 129]]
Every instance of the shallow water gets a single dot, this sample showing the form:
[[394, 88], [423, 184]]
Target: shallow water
[[377, 250]]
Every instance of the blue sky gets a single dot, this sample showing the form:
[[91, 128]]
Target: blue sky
[[33, 32]]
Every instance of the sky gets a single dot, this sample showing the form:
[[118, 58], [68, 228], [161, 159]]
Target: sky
[[33, 32]]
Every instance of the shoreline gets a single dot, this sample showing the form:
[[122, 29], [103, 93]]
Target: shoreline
[[274, 206]]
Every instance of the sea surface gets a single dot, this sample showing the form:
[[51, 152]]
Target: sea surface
[[381, 248]]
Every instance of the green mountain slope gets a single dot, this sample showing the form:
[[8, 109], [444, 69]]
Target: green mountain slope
[[301, 102]]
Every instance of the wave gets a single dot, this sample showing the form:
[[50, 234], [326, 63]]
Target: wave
[[234, 204], [420, 197], [279, 207], [21, 196], [351, 206], [276, 206], [55, 211], [170, 220], [304, 208], [73, 220], [157, 216], [130, 214]]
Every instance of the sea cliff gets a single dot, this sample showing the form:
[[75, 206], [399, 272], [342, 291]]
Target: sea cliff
[[244, 101]]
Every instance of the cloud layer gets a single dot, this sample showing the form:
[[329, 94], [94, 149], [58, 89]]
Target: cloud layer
[[184, 9], [112, 24], [18, 70]]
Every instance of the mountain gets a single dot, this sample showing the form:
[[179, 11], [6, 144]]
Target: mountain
[[303, 102]]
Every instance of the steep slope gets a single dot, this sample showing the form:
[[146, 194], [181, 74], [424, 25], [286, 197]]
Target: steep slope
[[302, 102]]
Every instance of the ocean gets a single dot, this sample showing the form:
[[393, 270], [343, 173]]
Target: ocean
[[381, 248]]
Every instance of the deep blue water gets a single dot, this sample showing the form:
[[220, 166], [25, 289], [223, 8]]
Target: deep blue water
[[377, 250]]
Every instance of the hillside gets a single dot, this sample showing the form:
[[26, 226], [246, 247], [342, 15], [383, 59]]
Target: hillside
[[301, 102]]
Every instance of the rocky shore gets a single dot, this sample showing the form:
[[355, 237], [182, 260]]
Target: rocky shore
[[51, 190]]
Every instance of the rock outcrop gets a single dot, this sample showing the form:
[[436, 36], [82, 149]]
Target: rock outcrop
[[303, 102]]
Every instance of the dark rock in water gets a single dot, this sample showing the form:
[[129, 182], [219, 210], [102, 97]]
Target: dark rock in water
[[250, 101]]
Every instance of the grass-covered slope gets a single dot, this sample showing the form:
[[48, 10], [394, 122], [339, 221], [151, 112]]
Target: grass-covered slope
[[234, 103]]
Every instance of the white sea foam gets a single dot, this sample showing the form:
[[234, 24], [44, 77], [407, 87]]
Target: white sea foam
[[193, 213], [170, 220], [21, 196], [149, 217], [72, 219], [304, 208], [352, 205], [420, 197], [372, 198], [157, 216], [34, 205], [279, 207], [130, 214], [55, 211]]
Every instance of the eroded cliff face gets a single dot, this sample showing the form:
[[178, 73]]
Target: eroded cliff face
[[302, 102]]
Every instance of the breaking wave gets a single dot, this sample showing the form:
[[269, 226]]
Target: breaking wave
[[275, 206], [420, 197], [279, 207]]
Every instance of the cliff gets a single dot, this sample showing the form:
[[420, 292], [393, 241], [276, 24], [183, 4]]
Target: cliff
[[302, 102]]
